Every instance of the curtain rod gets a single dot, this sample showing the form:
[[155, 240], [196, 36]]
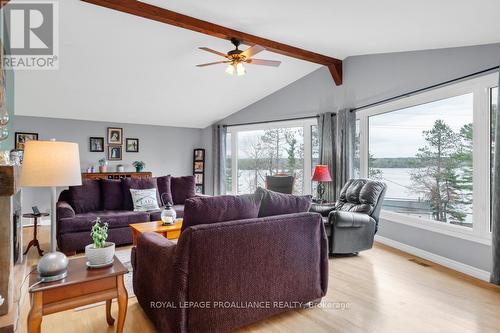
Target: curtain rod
[[270, 121], [408, 94]]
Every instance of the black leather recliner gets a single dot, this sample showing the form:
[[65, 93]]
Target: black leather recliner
[[353, 221]]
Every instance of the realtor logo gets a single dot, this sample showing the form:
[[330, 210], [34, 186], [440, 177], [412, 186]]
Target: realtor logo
[[31, 27]]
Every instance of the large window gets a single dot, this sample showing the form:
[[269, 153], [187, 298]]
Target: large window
[[429, 150], [271, 149], [493, 117], [424, 153]]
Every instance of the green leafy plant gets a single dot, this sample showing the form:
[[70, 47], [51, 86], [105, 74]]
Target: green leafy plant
[[99, 233], [139, 164], [103, 161]]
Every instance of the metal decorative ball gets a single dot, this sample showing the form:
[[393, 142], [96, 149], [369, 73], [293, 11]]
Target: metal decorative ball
[[53, 266]]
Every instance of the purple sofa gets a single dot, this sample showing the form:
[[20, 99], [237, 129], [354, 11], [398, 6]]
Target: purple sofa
[[224, 275], [79, 206]]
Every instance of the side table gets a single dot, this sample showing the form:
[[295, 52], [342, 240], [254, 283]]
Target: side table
[[34, 241], [81, 287]]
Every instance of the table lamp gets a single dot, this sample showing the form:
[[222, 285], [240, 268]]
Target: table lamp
[[51, 164], [321, 174]]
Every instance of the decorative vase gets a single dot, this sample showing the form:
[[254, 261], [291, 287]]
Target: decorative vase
[[102, 168], [120, 168], [168, 215], [100, 256], [139, 169]]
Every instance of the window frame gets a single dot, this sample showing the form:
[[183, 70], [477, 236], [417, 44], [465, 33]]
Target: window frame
[[304, 123], [480, 88]]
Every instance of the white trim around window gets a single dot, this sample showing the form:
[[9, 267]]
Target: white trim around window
[[480, 87]]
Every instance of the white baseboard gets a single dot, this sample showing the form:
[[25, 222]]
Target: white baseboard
[[443, 261]]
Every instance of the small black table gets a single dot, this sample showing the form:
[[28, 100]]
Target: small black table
[[34, 241]]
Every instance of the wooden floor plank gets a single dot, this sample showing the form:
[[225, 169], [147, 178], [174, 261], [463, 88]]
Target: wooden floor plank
[[384, 290]]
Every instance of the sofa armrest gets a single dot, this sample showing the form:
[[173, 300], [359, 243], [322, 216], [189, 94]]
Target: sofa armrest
[[153, 263], [341, 219], [64, 210]]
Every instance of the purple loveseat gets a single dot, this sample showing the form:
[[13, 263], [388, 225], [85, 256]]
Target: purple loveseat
[[224, 275], [110, 200]]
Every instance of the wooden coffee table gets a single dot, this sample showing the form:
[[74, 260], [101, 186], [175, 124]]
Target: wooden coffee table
[[170, 231], [81, 287]]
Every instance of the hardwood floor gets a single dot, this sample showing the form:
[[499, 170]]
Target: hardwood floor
[[384, 292]]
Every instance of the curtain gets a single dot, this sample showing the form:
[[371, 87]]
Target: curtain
[[346, 126], [326, 127], [219, 158], [336, 133], [495, 202]]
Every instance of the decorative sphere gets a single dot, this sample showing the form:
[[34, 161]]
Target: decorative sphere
[[53, 264], [168, 215]]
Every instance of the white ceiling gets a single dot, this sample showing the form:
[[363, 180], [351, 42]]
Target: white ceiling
[[121, 68]]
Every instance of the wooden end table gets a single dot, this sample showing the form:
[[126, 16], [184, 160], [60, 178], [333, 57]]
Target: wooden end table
[[81, 287], [34, 242], [170, 231]]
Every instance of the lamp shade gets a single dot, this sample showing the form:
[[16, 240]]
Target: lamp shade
[[321, 174], [50, 164]]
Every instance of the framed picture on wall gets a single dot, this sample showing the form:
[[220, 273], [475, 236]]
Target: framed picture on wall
[[114, 153], [199, 154], [198, 166], [199, 178], [199, 189], [132, 145], [21, 138], [96, 144], [115, 135]]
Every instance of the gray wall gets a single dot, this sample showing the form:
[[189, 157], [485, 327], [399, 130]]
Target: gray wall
[[165, 150], [371, 78]]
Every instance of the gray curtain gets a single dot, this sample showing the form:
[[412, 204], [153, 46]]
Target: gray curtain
[[219, 158], [327, 127], [346, 127], [495, 202], [336, 134]]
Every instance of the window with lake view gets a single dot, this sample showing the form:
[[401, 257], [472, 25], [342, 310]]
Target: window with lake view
[[424, 154]]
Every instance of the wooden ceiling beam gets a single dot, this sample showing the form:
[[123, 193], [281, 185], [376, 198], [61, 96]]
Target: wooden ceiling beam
[[151, 12]]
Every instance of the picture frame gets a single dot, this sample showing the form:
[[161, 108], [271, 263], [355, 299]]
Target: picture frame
[[132, 145], [199, 154], [115, 135], [199, 166], [198, 178], [22, 137], [96, 144], [115, 153], [199, 189]]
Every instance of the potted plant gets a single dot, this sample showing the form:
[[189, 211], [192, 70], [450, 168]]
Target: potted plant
[[103, 163], [100, 252], [139, 165]]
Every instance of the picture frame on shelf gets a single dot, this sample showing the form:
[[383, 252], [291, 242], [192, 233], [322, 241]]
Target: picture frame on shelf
[[96, 144], [115, 135], [132, 145], [22, 137], [115, 153]]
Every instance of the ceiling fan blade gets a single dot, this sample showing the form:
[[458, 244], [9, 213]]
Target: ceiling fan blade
[[213, 63], [273, 63], [213, 51], [251, 51]]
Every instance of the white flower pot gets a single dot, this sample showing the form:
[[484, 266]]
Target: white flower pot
[[100, 256]]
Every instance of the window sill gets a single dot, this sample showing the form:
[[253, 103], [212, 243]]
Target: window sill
[[445, 229]]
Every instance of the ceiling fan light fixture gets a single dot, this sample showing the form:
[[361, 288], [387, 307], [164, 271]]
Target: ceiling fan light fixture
[[240, 69], [230, 69]]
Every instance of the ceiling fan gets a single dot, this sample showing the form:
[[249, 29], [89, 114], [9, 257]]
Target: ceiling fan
[[235, 58]]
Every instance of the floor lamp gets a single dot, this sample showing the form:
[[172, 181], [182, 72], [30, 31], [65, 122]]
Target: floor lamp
[[51, 164]]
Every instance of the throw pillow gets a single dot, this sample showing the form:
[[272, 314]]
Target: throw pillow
[[112, 195], [86, 197], [274, 203], [144, 200], [164, 189], [204, 210], [182, 188], [136, 184]]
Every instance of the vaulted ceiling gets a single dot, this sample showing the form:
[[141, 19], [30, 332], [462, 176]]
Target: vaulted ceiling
[[122, 68]]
